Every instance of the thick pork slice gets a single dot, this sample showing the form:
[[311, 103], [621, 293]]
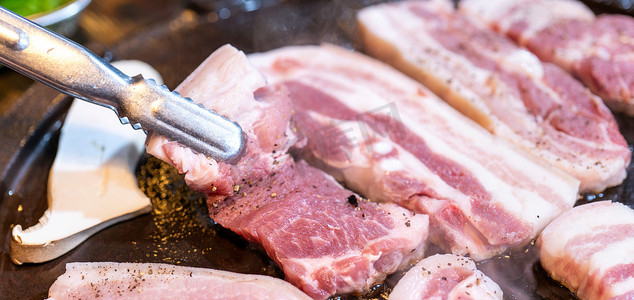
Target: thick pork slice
[[391, 140], [227, 83], [325, 238], [506, 89], [598, 50], [445, 276], [110, 280], [590, 249]]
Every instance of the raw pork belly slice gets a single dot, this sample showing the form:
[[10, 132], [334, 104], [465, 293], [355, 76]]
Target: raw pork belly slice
[[325, 239], [391, 140], [590, 249], [504, 88], [598, 50], [227, 83], [112, 280], [445, 276]]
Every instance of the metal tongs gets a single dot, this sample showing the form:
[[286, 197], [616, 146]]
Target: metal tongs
[[72, 69]]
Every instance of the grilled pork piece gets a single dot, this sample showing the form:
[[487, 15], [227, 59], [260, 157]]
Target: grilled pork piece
[[506, 89], [598, 50], [445, 276], [325, 238], [590, 249], [390, 139], [112, 280]]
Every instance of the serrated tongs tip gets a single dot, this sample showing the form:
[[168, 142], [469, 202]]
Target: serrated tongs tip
[[167, 113]]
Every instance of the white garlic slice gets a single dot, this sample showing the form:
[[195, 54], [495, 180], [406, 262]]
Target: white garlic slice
[[92, 182]]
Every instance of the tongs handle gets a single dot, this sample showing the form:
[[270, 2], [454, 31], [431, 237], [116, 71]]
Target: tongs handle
[[72, 69], [58, 62]]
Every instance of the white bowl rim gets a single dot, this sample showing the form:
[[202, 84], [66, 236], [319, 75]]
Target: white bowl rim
[[67, 11]]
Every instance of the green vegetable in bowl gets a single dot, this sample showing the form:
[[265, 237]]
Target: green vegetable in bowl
[[31, 7]]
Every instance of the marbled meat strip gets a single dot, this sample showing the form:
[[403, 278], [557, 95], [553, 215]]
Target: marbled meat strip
[[505, 88], [590, 249], [390, 139], [597, 49], [112, 280]]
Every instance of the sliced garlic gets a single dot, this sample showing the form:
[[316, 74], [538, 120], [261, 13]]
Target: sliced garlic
[[92, 182]]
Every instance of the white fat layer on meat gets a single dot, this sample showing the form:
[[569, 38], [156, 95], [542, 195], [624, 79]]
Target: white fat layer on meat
[[612, 255], [92, 179], [361, 170], [581, 220], [574, 51], [156, 280], [518, 60], [488, 10], [230, 84], [602, 53], [382, 147], [623, 286], [416, 280], [391, 164], [524, 62], [541, 14]]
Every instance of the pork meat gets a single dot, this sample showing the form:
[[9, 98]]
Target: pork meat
[[505, 88], [597, 50], [111, 280], [445, 276], [392, 140], [590, 249], [326, 239]]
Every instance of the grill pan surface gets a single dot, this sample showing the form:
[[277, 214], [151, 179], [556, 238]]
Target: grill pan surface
[[178, 230]]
